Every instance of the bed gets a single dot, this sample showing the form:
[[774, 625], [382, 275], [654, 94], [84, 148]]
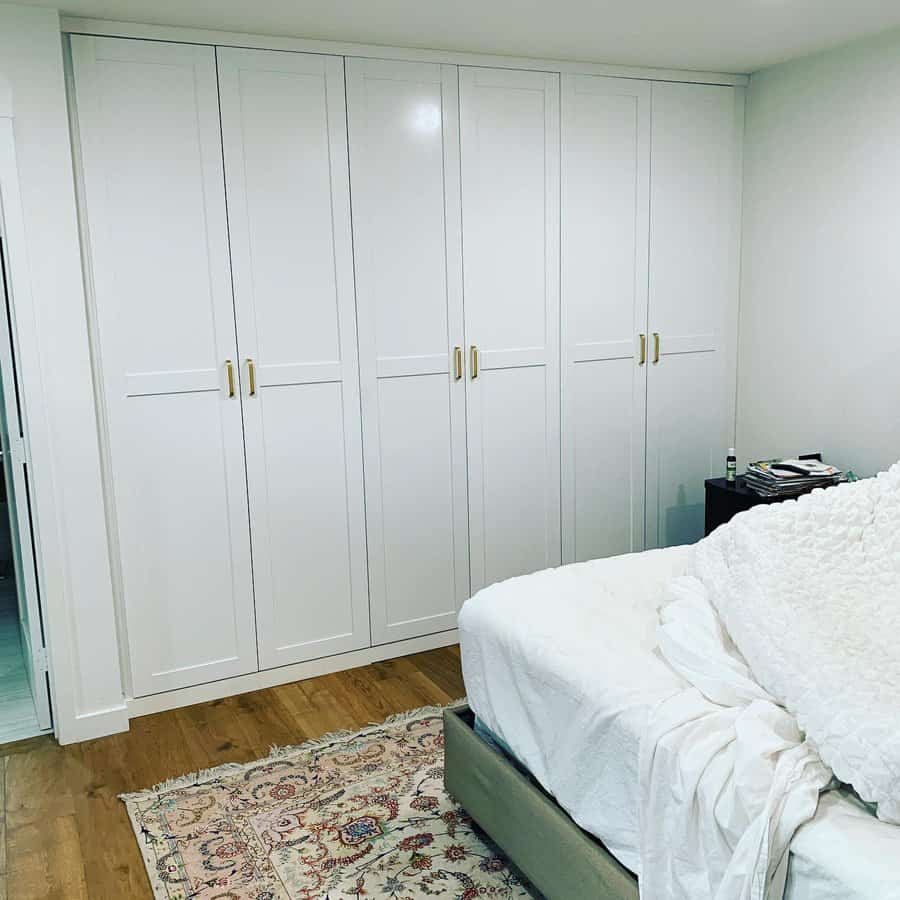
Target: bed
[[561, 673]]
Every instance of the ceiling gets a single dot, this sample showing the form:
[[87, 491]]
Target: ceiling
[[715, 35]]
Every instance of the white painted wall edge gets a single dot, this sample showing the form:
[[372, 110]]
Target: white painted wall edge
[[5, 97], [102, 27], [241, 684], [732, 344], [55, 372]]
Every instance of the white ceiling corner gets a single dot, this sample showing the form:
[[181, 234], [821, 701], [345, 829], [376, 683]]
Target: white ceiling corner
[[736, 36]]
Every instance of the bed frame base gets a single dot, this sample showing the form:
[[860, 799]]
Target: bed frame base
[[560, 859]]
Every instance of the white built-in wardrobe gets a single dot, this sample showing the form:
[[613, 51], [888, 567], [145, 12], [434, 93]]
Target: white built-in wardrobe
[[373, 334]]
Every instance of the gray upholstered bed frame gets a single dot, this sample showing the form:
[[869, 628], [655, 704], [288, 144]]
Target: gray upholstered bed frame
[[561, 861]]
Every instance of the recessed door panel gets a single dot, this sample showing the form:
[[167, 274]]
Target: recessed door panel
[[404, 163], [417, 512], [509, 142], [307, 579], [684, 446], [605, 245], [519, 536], [607, 445], [695, 220], [510, 146], [284, 136], [185, 560], [155, 205]]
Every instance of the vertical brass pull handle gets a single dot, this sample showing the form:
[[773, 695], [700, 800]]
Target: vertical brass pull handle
[[474, 351], [229, 371], [251, 373], [655, 347], [643, 356], [457, 353]]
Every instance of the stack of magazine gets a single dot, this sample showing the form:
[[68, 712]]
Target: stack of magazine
[[785, 477]]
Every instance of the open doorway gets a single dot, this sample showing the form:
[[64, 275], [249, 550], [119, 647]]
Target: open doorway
[[24, 686]]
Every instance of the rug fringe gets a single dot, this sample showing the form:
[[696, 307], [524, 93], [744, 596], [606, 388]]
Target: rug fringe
[[276, 752]]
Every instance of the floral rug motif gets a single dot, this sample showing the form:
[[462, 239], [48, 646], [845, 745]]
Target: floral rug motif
[[359, 815]]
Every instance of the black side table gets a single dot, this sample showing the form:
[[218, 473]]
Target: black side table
[[725, 499]]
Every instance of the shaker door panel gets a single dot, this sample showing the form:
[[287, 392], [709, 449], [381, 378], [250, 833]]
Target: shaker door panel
[[694, 241], [148, 121], [509, 140], [284, 136], [605, 246], [405, 187]]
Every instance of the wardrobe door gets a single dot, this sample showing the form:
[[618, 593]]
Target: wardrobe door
[[284, 134], [404, 162], [148, 120], [605, 238], [694, 228], [509, 140]]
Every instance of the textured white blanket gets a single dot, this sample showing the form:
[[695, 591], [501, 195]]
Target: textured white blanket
[[809, 591], [786, 632]]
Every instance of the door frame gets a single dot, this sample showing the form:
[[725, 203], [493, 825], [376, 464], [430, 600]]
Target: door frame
[[27, 587]]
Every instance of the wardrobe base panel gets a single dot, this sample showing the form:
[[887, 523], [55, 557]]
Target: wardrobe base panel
[[242, 684]]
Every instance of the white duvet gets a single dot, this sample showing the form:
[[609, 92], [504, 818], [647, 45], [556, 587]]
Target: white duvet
[[809, 591], [786, 631], [565, 667]]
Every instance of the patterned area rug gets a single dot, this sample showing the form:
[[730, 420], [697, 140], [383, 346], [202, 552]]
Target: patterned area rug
[[352, 815]]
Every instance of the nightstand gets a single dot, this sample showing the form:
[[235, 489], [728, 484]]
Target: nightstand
[[725, 499]]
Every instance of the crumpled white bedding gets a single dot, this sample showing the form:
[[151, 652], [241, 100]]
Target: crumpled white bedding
[[561, 666], [809, 591], [785, 629], [726, 776]]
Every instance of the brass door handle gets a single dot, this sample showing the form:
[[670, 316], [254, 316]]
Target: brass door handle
[[474, 352], [457, 353], [251, 374], [643, 357], [229, 371], [655, 347]]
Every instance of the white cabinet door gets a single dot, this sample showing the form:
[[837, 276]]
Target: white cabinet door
[[15, 296], [509, 140], [148, 118], [284, 134], [404, 164], [605, 239], [694, 228]]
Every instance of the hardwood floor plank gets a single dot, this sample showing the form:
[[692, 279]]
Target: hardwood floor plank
[[265, 722], [39, 785], [114, 862], [45, 862], [2, 823], [443, 668], [157, 749], [67, 834]]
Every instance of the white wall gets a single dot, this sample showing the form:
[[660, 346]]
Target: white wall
[[819, 365], [56, 375]]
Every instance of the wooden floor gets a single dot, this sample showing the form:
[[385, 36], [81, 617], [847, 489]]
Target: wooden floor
[[65, 835]]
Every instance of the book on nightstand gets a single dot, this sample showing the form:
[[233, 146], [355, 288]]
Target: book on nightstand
[[785, 477]]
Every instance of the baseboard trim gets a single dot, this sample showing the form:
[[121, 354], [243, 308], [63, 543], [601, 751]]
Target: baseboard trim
[[241, 684], [87, 726]]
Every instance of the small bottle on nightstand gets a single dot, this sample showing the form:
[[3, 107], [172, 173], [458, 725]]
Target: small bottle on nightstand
[[730, 465]]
